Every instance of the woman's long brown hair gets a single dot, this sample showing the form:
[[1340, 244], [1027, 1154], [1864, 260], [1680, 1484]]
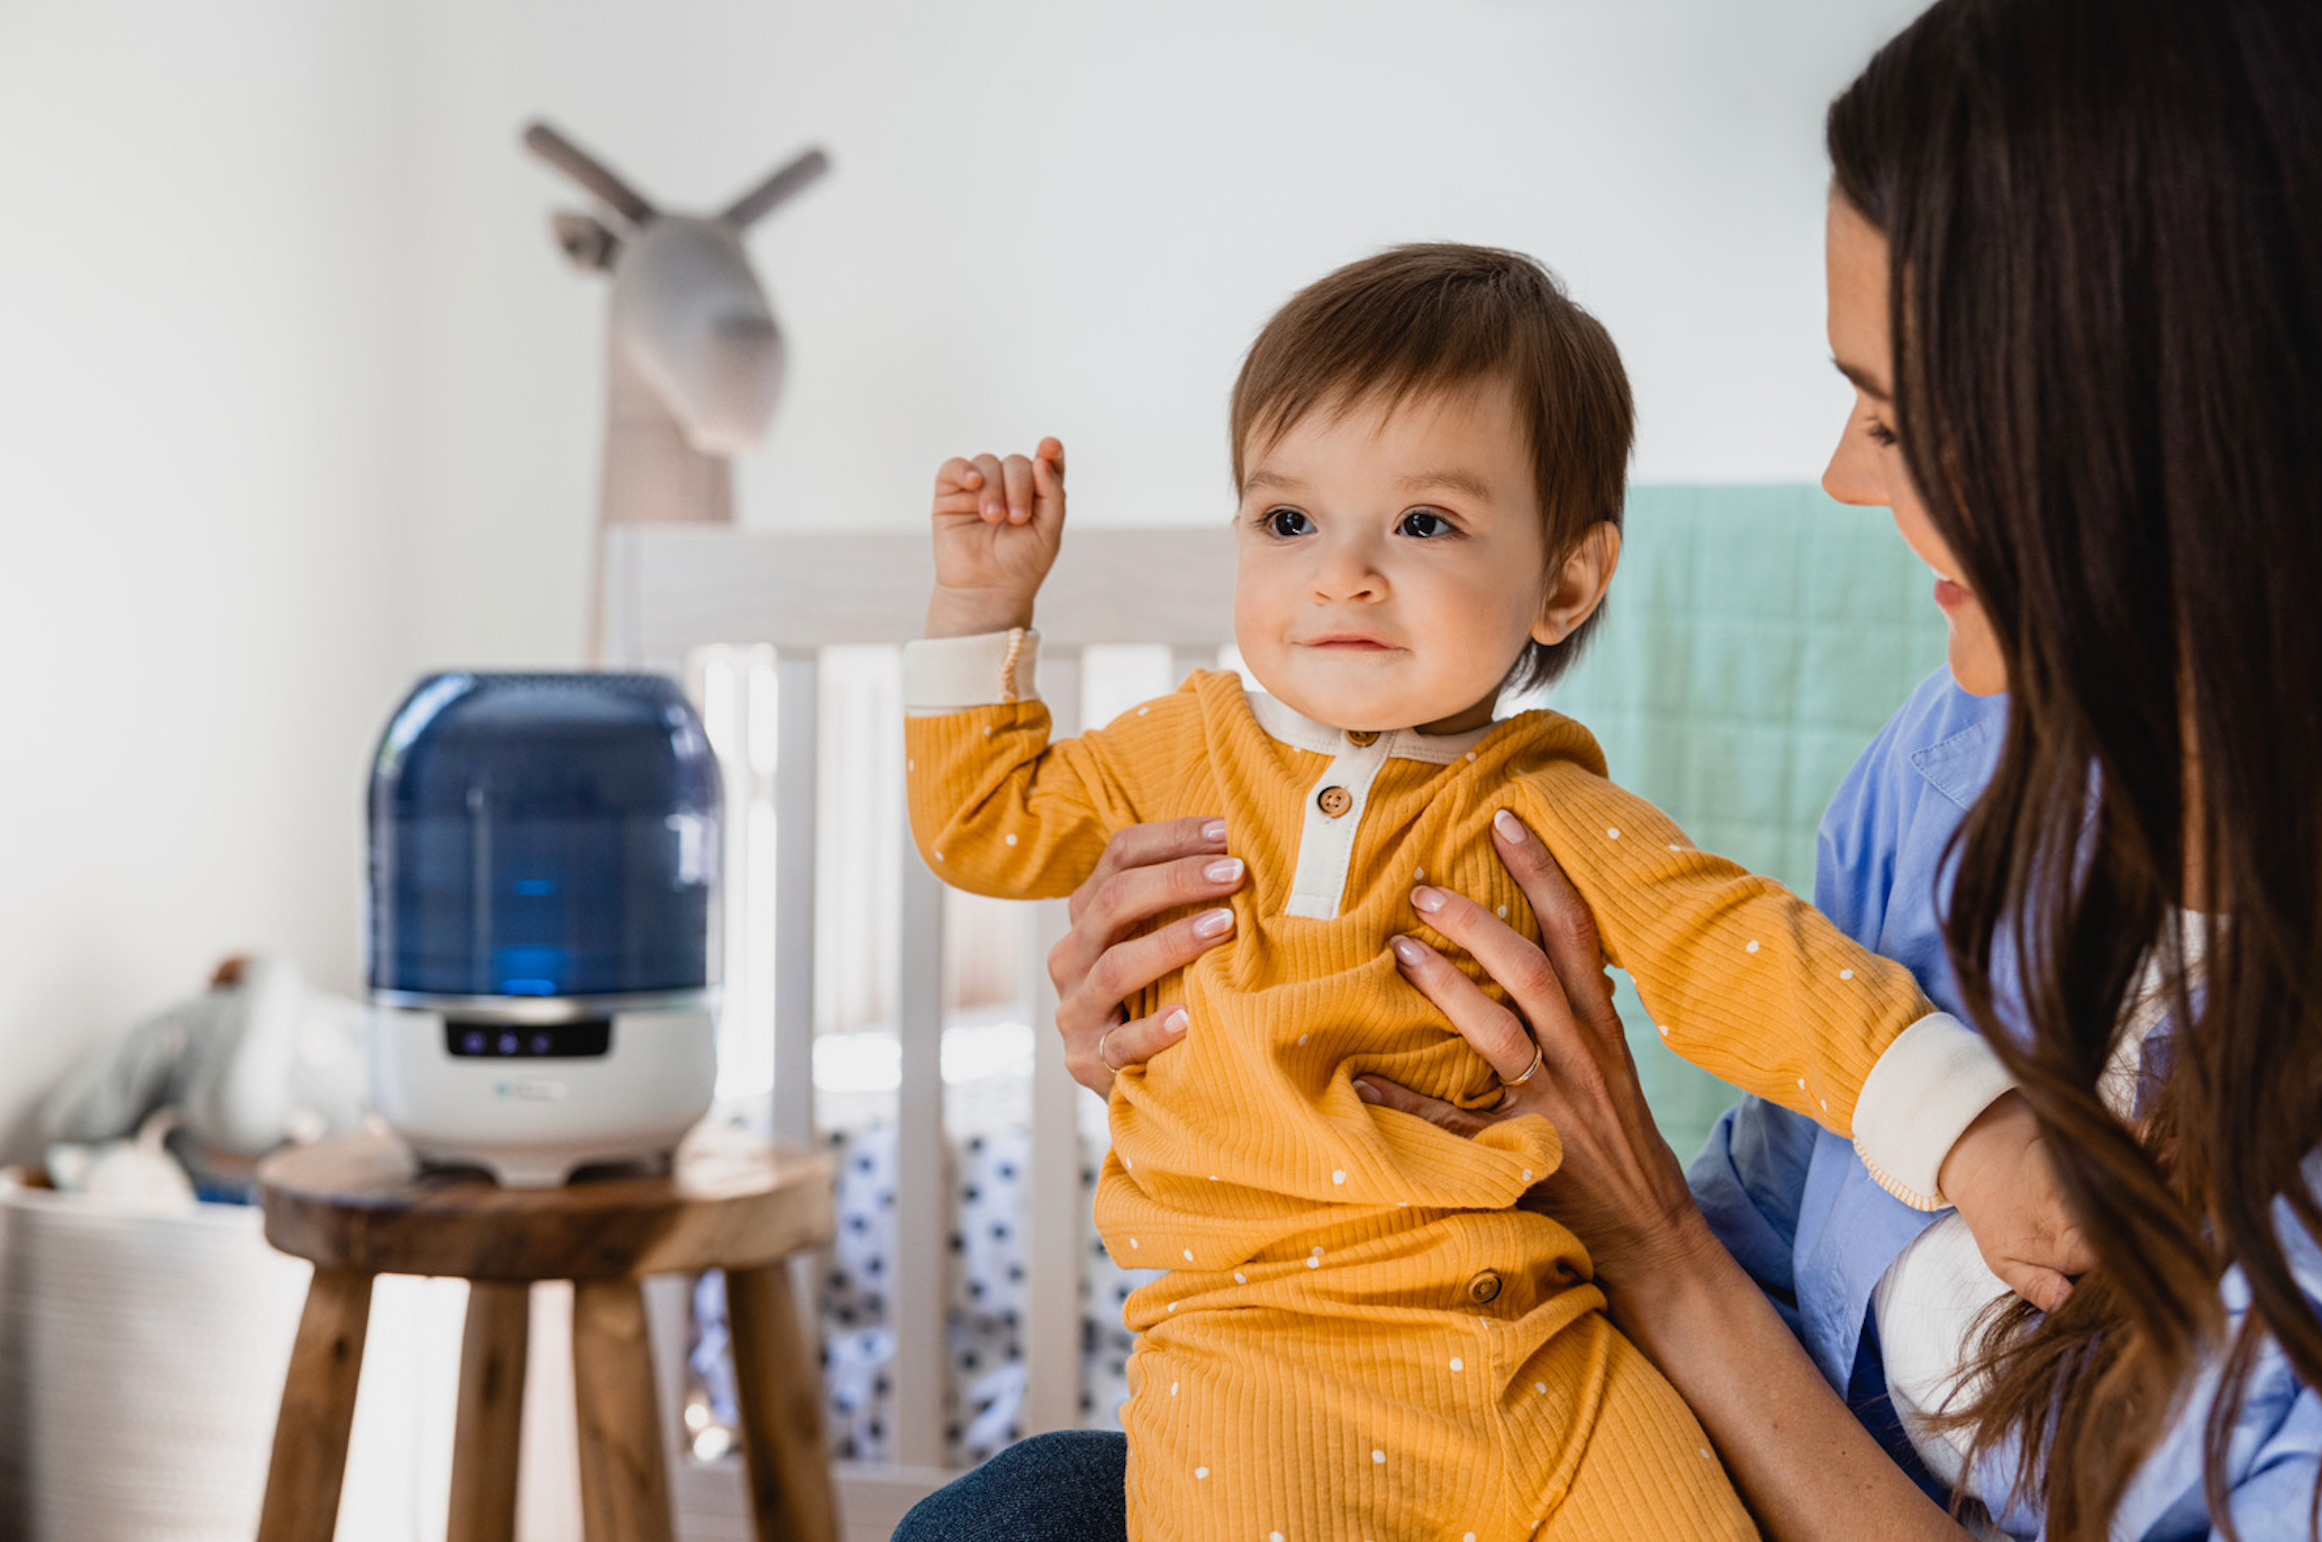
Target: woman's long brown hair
[[2105, 225]]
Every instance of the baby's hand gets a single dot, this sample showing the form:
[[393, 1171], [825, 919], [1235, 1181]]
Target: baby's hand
[[997, 524], [1999, 1176]]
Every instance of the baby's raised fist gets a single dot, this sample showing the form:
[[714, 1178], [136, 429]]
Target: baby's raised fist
[[997, 526], [995, 489]]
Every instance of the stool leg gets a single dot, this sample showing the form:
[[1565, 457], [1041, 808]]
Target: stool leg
[[318, 1409], [624, 1479], [491, 1417], [783, 1444]]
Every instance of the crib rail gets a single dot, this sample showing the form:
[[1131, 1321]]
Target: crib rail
[[673, 591]]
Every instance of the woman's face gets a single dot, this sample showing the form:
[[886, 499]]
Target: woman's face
[[1867, 467]]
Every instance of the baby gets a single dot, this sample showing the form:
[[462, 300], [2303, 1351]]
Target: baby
[[1360, 1334]]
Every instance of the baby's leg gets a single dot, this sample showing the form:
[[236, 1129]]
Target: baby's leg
[[1244, 1427], [1647, 1469], [1443, 1384]]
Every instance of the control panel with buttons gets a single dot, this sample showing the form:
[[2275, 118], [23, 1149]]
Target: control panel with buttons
[[586, 1039]]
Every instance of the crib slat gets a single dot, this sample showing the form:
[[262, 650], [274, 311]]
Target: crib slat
[[797, 679], [1051, 1195], [1184, 660], [925, 1207]]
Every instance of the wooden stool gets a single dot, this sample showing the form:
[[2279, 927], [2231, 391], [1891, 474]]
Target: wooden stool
[[358, 1206]]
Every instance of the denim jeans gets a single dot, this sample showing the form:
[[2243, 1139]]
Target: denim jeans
[[1060, 1487]]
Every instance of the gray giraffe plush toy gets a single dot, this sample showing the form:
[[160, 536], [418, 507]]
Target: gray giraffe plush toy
[[694, 359]]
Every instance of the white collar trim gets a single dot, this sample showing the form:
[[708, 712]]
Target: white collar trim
[[1301, 732]]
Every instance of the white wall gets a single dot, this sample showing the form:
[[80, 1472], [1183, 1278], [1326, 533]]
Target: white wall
[[1055, 216], [202, 427], [299, 399]]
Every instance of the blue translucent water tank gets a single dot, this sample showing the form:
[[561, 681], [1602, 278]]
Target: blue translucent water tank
[[543, 835]]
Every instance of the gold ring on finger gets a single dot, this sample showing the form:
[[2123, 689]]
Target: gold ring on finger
[[1102, 1058], [1530, 1071]]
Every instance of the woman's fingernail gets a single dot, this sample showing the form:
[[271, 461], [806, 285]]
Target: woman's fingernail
[[1214, 830], [1227, 871], [1367, 1092], [1175, 1022], [1511, 828], [1429, 900], [1213, 923], [1408, 951]]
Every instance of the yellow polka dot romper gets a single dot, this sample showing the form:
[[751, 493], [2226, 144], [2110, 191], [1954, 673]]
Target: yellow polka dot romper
[[1359, 1335]]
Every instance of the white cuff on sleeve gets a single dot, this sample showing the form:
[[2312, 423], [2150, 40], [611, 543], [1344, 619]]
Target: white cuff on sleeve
[[1919, 1099], [952, 674]]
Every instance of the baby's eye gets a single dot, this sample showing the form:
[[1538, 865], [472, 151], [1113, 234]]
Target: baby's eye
[[1425, 524], [1286, 523]]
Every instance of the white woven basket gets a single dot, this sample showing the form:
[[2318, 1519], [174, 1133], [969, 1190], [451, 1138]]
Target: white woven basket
[[141, 1361]]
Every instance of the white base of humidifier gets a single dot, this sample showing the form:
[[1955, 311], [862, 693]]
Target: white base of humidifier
[[531, 1089]]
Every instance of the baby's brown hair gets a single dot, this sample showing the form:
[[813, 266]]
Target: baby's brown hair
[[1437, 317]]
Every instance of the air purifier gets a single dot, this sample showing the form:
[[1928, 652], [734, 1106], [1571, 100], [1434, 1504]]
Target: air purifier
[[543, 920]]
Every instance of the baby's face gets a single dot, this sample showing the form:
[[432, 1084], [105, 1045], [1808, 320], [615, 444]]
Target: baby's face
[[1392, 564]]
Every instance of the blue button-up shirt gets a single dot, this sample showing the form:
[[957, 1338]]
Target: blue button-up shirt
[[1795, 1206]]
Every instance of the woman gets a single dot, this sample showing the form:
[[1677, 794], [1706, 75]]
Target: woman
[[2094, 402]]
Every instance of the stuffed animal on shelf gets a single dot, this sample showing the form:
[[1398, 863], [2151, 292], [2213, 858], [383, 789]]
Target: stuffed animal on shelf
[[258, 1059]]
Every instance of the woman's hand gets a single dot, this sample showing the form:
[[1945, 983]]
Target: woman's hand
[[1619, 1186], [1101, 962]]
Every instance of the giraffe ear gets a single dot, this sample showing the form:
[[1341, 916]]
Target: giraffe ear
[[585, 239], [776, 190]]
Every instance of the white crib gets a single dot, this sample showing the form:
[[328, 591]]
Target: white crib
[[784, 600]]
